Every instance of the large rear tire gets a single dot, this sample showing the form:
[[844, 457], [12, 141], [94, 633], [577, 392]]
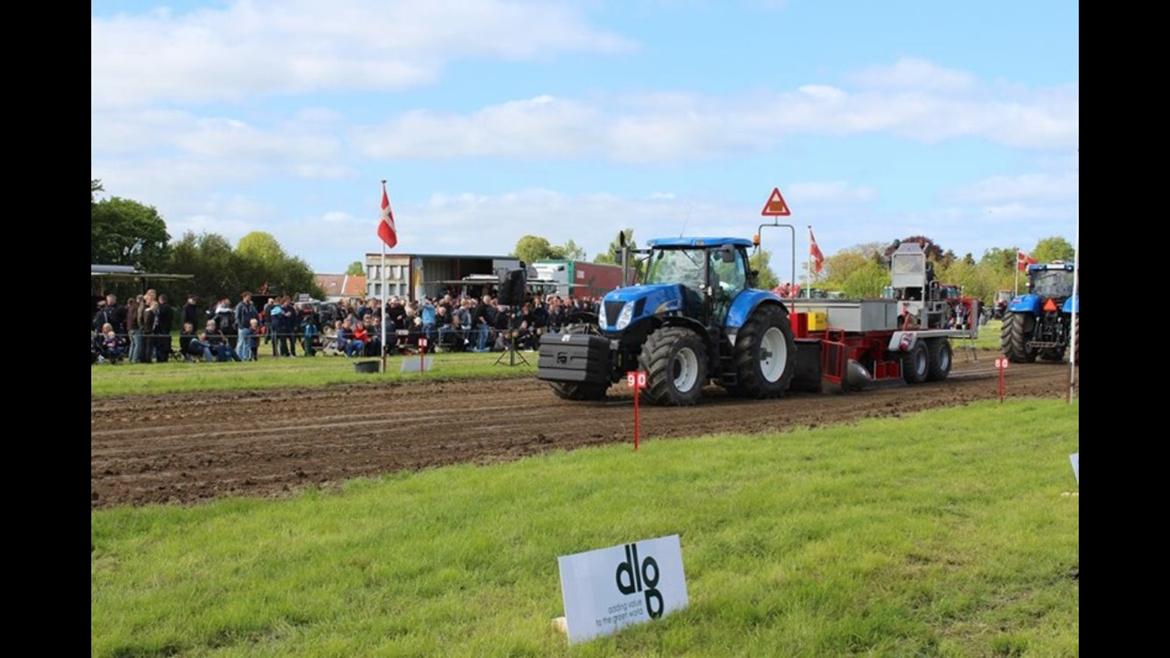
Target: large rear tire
[[582, 391], [1013, 337], [675, 361], [940, 358], [916, 364], [765, 355]]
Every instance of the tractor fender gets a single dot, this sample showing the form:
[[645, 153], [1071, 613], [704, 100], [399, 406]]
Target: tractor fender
[[1070, 306], [1025, 304], [689, 323], [745, 303]]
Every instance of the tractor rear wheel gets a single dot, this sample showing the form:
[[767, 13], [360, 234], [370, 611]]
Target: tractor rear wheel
[[765, 354], [1013, 337], [940, 357], [675, 361], [916, 364], [578, 391]]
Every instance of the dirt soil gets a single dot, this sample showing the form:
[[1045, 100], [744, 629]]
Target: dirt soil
[[186, 448]]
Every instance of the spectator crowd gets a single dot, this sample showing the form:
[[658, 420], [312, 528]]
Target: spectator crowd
[[141, 330]]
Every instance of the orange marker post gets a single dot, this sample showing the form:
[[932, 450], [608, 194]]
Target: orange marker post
[[1001, 364], [637, 381]]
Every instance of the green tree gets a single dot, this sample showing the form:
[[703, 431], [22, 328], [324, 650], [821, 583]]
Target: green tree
[[841, 265], [532, 248], [355, 269], [260, 247], [220, 271], [125, 232], [571, 251], [95, 186], [761, 262], [1000, 258], [866, 281], [1053, 248]]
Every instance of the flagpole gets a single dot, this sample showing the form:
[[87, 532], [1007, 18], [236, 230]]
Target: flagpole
[[1072, 343], [382, 276], [1016, 285], [808, 263]]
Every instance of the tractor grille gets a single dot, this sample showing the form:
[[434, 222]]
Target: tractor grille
[[612, 311]]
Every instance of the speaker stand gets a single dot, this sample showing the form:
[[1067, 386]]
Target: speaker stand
[[511, 352]]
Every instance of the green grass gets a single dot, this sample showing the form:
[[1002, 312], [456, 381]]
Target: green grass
[[174, 377], [988, 336], [938, 534]]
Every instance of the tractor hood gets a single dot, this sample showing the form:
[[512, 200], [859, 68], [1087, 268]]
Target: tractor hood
[[624, 307]]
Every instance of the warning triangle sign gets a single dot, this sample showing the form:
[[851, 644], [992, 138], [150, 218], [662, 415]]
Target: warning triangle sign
[[776, 205]]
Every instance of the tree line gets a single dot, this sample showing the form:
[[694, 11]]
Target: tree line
[[127, 232]]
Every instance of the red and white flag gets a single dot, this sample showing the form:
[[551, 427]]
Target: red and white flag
[[814, 252], [1023, 261], [386, 229]]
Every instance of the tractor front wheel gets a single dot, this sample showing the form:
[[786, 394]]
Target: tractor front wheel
[[675, 361], [1013, 337]]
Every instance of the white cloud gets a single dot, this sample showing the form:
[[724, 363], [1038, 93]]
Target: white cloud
[[296, 46], [670, 127], [831, 192], [1025, 187], [913, 73]]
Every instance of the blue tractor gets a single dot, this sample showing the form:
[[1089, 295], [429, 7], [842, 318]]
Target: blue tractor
[[1040, 323], [696, 317]]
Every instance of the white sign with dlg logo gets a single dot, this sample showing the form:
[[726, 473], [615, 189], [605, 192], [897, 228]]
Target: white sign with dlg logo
[[607, 589]]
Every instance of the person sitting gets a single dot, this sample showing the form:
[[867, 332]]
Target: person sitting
[[110, 348], [345, 339], [361, 335], [189, 345], [218, 343]]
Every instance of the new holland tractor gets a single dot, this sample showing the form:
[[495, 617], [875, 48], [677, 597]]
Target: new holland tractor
[[1039, 323], [697, 317]]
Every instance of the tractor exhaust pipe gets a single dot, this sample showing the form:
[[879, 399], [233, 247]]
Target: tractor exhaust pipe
[[856, 376]]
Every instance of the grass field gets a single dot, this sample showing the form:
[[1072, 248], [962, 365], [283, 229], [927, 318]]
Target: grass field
[[125, 378], [935, 534], [989, 335]]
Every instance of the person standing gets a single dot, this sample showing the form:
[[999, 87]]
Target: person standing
[[190, 312], [245, 312], [149, 330], [163, 321], [134, 328]]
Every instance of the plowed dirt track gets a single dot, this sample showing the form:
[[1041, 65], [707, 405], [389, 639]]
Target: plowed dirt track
[[190, 447]]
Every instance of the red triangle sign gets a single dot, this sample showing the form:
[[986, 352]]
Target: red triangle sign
[[776, 205]]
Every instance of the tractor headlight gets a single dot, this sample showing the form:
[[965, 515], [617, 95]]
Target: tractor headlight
[[601, 318], [627, 314]]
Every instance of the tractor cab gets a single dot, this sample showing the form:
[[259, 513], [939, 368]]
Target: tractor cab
[[696, 278], [1052, 281]]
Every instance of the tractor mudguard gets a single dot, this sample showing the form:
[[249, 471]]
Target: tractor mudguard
[[1025, 304], [1068, 305], [745, 304]]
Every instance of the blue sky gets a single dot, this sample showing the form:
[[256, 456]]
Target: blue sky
[[492, 119]]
